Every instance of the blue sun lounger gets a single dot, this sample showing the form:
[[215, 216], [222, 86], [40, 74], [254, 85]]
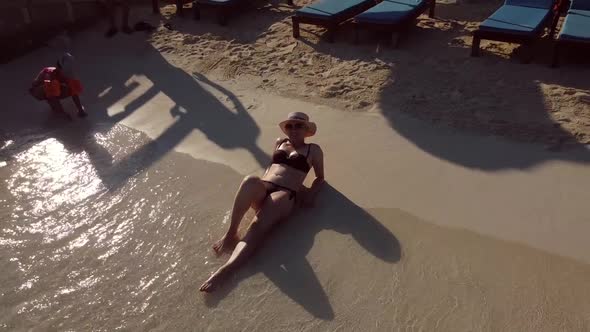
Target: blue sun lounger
[[393, 16], [329, 14], [575, 29], [517, 21]]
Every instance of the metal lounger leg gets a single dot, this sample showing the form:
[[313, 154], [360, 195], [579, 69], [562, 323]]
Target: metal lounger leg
[[179, 8], [196, 11], [475, 45], [295, 21]]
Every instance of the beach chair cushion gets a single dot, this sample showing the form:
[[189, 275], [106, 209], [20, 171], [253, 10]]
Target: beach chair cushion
[[516, 20], [391, 12], [331, 9], [576, 26]]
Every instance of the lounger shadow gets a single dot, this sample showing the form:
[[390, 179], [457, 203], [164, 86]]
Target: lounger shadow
[[517, 21]]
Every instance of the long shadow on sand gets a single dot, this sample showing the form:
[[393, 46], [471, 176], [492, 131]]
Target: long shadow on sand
[[194, 105], [282, 259], [197, 110]]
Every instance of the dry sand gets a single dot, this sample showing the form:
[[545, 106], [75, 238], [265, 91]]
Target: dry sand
[[430, 75]]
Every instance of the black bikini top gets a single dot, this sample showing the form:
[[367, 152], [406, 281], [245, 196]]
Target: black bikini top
[[297, 161]]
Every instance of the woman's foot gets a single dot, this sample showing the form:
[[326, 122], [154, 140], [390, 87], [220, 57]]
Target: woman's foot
[[226, 243], [82, 114], [214, 280]]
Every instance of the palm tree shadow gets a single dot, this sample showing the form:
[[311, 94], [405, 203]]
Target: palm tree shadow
[[196, 105], [283, 261], [473, 101]]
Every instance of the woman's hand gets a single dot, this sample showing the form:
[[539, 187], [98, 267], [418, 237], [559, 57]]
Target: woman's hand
[[317, 161]]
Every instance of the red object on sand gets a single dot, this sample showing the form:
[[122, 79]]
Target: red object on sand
[[75, 87], [52, 88]]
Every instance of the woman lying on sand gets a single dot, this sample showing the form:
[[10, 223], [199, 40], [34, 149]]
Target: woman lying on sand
[[274, 195]]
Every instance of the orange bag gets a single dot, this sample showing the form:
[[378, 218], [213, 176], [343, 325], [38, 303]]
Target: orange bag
[[52, 88], [75, 86]]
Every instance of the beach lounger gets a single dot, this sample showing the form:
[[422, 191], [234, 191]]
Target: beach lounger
[[517, 21], [575, 29], [329, 14], [393, 16]]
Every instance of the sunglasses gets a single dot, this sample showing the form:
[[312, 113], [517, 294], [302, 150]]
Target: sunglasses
[[290, 126]]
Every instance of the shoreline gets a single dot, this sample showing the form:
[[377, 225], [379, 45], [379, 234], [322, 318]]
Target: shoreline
[[420, 226]]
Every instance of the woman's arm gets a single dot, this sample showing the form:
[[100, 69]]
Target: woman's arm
[[317, 162]]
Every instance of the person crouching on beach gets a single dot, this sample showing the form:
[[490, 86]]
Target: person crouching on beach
[[55, 83]]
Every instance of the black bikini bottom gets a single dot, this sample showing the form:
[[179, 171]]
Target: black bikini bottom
[[275, 187]]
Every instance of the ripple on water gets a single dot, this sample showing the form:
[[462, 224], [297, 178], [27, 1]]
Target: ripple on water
[[96, 229]]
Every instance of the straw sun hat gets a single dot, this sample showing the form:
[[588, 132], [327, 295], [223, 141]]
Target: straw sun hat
[[299, 117]]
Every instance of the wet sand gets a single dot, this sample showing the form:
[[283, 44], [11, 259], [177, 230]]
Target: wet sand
[[81, 253], [107, 222]]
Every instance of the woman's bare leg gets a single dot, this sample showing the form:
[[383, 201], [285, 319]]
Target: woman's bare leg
[[251, 193], [276, 207]]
